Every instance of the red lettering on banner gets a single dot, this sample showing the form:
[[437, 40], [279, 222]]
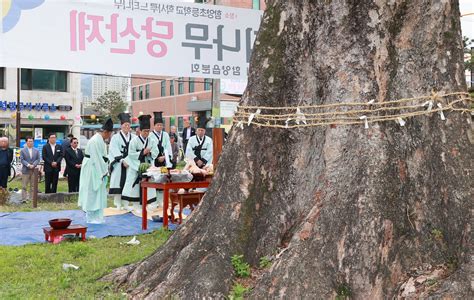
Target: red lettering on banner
[[129, 30], [86, 29], [150, 34]]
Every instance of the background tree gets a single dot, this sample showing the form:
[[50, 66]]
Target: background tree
[[341, 210], [468, 43], [110, 104]]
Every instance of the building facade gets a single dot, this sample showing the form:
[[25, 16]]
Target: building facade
[[102, 84], [49, 102], [180, 97], [94, 86]]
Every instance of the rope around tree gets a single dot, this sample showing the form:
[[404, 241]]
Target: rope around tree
[[354, 113]]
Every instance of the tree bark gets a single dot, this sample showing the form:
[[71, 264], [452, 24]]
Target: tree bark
[[345, 208]]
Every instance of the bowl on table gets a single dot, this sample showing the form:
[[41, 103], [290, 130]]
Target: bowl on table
[[61, 223]]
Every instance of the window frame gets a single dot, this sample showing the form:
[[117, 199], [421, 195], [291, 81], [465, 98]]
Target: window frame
[[180, 85], [134, 92], [191, 86], [207, 84], [163, 88], [28, 80], [171, 87], [2, 78], [147, 91]]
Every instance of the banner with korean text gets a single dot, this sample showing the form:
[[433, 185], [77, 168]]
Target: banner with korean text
[[128, 37]]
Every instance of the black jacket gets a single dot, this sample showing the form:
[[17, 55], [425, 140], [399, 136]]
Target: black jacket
[[72, 160], [10, 159], [193, 132], [49, 157]]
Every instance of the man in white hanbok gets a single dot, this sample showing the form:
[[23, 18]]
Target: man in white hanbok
[[162, 141], [199, 147], [93, 178], [142, 149], [118, 151]]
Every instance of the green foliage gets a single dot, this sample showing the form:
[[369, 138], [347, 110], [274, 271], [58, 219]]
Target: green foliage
[[242, 269], [431, 282], [35, 271], [452, 263], [343, 292], [265, 262], [110, 104], [4, 196], [238, 291], [468, 64], [437, 234]]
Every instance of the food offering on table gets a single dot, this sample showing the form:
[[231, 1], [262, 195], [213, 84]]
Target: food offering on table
[[143, 168], [194, 169]]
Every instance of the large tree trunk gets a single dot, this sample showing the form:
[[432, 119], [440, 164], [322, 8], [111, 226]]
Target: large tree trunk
[[346, 208]]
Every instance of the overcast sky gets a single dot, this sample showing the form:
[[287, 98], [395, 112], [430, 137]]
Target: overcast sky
[[467, 22]]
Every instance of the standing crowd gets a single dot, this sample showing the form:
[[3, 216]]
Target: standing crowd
[[89, 172], [127, 151]]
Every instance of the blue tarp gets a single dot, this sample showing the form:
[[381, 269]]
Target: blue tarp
[[20, 228]]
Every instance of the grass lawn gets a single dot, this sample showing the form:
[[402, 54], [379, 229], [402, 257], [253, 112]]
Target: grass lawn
[[62, 185], [47, 206], [35, 271]]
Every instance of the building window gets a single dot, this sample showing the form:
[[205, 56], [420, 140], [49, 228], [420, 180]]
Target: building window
[[43, 80], [180, 124], [140, 92], [180, 86], [134, 92], [147, 91], [256, 4], [207, 84], [171, 87], [2, 78], [163, 88], [191, 85]]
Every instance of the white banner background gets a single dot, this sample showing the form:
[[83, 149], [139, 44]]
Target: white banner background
[[49, 37]]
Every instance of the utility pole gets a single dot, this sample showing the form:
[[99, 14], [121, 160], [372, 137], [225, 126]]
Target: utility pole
[[216, 98], [175, 113], [18, 114], [217, 132]]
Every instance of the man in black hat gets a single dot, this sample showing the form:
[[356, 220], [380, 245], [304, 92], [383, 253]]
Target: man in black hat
[[162, 140], [142, 149], [118, 151], [93, 179], [199, 147]]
